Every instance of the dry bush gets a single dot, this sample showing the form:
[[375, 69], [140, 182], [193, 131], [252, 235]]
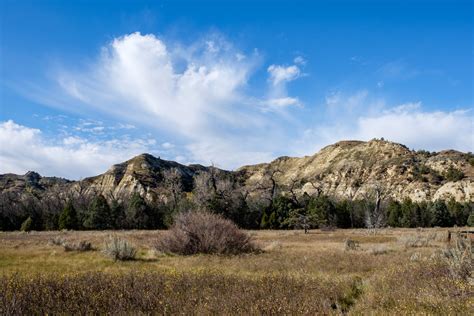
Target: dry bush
[[80, 246], [350, 244], [71, 246], [57, 241], [459, 259], [417, 241], [203, 232], [119, 249], [379, 250]]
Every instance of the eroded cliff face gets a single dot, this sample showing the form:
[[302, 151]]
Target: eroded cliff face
[[347, 169], [143, 174]]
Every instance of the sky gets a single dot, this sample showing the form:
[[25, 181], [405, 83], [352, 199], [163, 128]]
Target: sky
[[87, 84]]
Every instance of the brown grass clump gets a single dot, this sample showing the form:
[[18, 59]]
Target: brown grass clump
[[204, 232]]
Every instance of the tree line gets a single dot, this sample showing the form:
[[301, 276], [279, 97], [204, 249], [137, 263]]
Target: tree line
[[264, 206]]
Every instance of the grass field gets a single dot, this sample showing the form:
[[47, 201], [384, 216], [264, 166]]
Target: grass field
[[296, 273]]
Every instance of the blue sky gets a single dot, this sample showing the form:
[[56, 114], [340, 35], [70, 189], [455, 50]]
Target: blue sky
[[85, 84]]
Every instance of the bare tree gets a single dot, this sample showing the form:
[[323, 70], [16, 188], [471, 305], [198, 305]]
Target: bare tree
[[269, 185], [374, 215], [173, 186]]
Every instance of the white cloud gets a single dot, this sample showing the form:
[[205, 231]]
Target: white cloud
[[23, 149], [361, 117], [167, 145], [420, 129], [279, 103], [137, 78], [277, 99], [299, 60], [196, 93], [281, 74]]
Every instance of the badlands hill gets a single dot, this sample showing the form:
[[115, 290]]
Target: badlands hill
[[347, 169]]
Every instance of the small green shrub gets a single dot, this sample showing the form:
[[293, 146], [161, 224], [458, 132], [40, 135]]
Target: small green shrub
[[453, 174], [119, 249]]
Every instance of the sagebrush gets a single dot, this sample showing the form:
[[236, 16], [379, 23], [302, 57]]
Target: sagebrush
[[119, 249]]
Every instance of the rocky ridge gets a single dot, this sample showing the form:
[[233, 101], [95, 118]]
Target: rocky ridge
[[347, 169]]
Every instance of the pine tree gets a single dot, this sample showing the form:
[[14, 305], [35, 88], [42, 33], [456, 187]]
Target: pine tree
[[137, 213], [394, 214], [98, 214], [117, 214], [68, 217], [441, 216]]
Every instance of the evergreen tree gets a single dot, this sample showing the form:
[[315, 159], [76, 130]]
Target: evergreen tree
[[394, 212], [441, 216], [137, 213], [322, 209], [98, 215], [408, 216], [458, 212], [281, 206], [117, 214], [68, 217]]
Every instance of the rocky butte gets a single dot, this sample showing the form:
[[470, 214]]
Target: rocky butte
[[347, 169]]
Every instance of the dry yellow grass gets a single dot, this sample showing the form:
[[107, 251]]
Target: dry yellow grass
[[383, 275]]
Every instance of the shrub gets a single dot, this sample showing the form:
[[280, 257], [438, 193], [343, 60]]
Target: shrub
[[119, 249], [418, 241], [57, 241], [80, 246], [453, 174], [379, 250], [204, 232], [458, 258], [350, 244]]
